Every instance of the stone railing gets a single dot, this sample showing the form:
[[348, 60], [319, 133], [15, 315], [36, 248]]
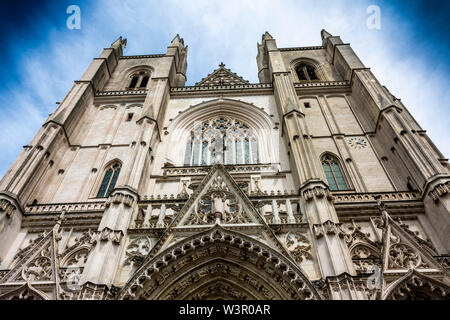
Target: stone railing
[[223, 87], [144, 56], [120, 93], [156, 211], [239, 168], [302, 48], [321, 84], [371, 197], [273, 194], [68, 207]]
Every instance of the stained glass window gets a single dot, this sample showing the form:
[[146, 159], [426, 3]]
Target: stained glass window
[[239, 151], [188, 154], [246, 151], [204, 153], [228, 151], [254, 150], [213, 153], [333, 173], [236, 142], [195, 160], [109, 180]]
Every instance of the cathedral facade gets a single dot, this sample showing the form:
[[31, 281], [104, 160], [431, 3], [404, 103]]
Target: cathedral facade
[[315, 183]]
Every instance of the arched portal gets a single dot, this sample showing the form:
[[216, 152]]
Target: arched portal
[[219, 264]]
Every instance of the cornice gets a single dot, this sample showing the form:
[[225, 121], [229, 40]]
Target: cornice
[[251, 88], [121, 93], [302, 48], [145, 56]]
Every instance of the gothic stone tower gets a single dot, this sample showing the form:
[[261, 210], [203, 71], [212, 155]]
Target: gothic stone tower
[[315, 183]]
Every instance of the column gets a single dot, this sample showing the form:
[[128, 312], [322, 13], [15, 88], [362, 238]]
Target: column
[[275, 213], [162, 214], [290, 214]]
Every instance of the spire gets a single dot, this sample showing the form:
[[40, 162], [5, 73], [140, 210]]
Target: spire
[[119, 45], [176, 41], [266, 36], [119, 42], [325, 34]]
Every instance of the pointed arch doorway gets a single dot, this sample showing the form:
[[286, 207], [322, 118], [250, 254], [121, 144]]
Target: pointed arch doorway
[[219, 264]]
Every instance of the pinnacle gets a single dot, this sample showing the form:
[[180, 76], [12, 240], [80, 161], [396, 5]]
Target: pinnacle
[[325, 34], [177, 40], [266, 36]]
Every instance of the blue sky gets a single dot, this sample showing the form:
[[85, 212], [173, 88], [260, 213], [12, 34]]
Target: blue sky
[[41, 57]]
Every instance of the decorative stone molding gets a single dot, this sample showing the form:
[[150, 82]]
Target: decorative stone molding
[[346, 283], [98, 206], [107, 234], [121, 93], [138, 249], [205, 245], [425, 243], [440, 191], [322, 288], [352, 234], [145, 56], [405, 288], [201, 170], [299, 246], [221, 76], [7, 207], [371, 197], [92, 291], [24, 251], [328, 227], [321, 84], [118, 198], [24, 292], [302, 48], [222, 87], [318, 192], [403, 256], [40, 269]]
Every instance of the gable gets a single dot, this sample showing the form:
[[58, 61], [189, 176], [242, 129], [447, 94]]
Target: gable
[[221, 77], [197, 215]]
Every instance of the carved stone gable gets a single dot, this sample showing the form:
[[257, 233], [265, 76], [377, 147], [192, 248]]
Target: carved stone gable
[[402, 251], [221, 77], [218, 200], [38, 264]]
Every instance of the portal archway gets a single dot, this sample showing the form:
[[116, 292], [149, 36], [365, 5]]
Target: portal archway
[[219, 264]]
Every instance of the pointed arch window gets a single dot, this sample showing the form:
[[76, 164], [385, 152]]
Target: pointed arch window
[[232, 138], [333, 173], [109, 180], [139, 80], [306, 72]]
